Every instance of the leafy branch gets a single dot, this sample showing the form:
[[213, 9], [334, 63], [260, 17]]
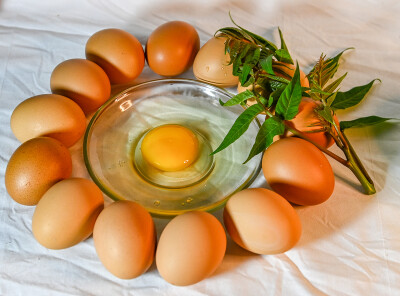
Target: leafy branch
[[275, 84]]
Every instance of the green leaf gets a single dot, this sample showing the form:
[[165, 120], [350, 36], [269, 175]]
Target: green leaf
[[256, 57], [335, 59], [283, 55], [323, 71], [250, 62], [270, 100], [332, 87], [329, 99], [288, 103], [259, 39], [305, 92], [245, 73], [266, 65], [351, 97], [274, 78], [284, 47], [241, 97], [231, 47], [326, 113], [315, 97], [277, 85], [265, 53], [326, 72], [363, 121], [274, 96], [263, 83], [233, 50], [228, 31], [320, 92], [235, 32], [253, 56], [226, 48], [269, 129], [250, 80], [240, 126], [263, 100], [238, 59], [332, 64]]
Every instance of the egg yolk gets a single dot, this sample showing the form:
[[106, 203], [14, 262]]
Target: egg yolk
[[170, 147]]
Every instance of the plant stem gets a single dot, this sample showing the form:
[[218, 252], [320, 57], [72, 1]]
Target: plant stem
[[323, 149], [358, 169], [352, 160]]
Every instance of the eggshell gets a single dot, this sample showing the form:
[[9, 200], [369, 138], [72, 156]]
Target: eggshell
[[118, 53], [66, 213], [82, 81], [211, 64], [125, 237], [190, 248], [172, 47], [261, 221], [63, 120], [298, 171], [34, 167]]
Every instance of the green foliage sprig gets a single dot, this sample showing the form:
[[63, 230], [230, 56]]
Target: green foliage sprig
[[278, 96]]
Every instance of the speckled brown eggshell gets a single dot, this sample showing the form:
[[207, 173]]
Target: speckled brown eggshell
[[298, 171], [83, 81], [34, 167]]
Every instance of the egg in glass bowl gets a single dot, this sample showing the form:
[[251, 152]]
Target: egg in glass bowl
[[152, 144]]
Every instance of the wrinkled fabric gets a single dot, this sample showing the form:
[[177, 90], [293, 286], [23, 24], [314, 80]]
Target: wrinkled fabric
[[350, 244]]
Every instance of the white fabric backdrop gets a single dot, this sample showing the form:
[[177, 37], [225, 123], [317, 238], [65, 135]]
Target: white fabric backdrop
[[350, 244]]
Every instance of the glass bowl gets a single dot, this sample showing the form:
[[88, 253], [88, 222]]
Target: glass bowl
[[112, 150]]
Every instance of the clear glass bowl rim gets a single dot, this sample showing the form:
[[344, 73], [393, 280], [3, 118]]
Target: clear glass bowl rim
[[96, 115]]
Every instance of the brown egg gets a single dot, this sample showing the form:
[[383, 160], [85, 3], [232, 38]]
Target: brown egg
[[118, 53], [82, 81], [172, 47], [298, 171], [307, 121], [261, 221], [63, 120], [211, 64], [190, 248], [125, 237], [66, 213], [34, 167]]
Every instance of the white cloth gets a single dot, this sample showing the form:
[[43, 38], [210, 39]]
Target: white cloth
[[350, 244]]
